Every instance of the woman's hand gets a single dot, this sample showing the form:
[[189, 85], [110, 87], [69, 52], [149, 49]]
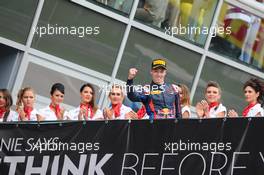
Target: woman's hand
[[199, 110], [40, 118], [205, 108], [108, 113], [82, 114], [21, 113], [232, 113], [131, 115], [61, 115]]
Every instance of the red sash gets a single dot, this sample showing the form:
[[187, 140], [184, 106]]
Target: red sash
[[28, 111], [246, 109], [57, 110], [2, 112], [117, 108], [88, 108], [212, 105]]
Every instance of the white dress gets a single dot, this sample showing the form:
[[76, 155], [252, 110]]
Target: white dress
[[12, 117], [186, 109], [255, 110], [123, 111], [50, 115], [216, 110], [73, 114], [33, 116]]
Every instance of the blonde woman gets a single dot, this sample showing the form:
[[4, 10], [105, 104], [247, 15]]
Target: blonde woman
[[185, 100], [117, 109], [25, 105]]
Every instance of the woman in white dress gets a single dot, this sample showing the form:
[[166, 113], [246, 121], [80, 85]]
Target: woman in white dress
[[6, 114], [211, 107], [54, 111], [25, 105], [87, 110], [253, 91], [185, 100], [117, 110]]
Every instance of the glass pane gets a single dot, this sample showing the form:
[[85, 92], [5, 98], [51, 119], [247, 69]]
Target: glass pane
[[8, 67], [16, 18], [243, 39], [231, 81], [80, 35], [48, 77], [142, 48], [120, 6], [187, 19]]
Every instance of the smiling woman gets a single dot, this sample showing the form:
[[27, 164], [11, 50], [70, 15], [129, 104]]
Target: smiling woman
[[253, 91], [54, 111], [117, 109], [211, 107], [87, 110]]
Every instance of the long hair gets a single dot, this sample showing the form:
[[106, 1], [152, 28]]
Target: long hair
[[185, 95], [8, 98], [92, 102], [21, 93], [258, 87]]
